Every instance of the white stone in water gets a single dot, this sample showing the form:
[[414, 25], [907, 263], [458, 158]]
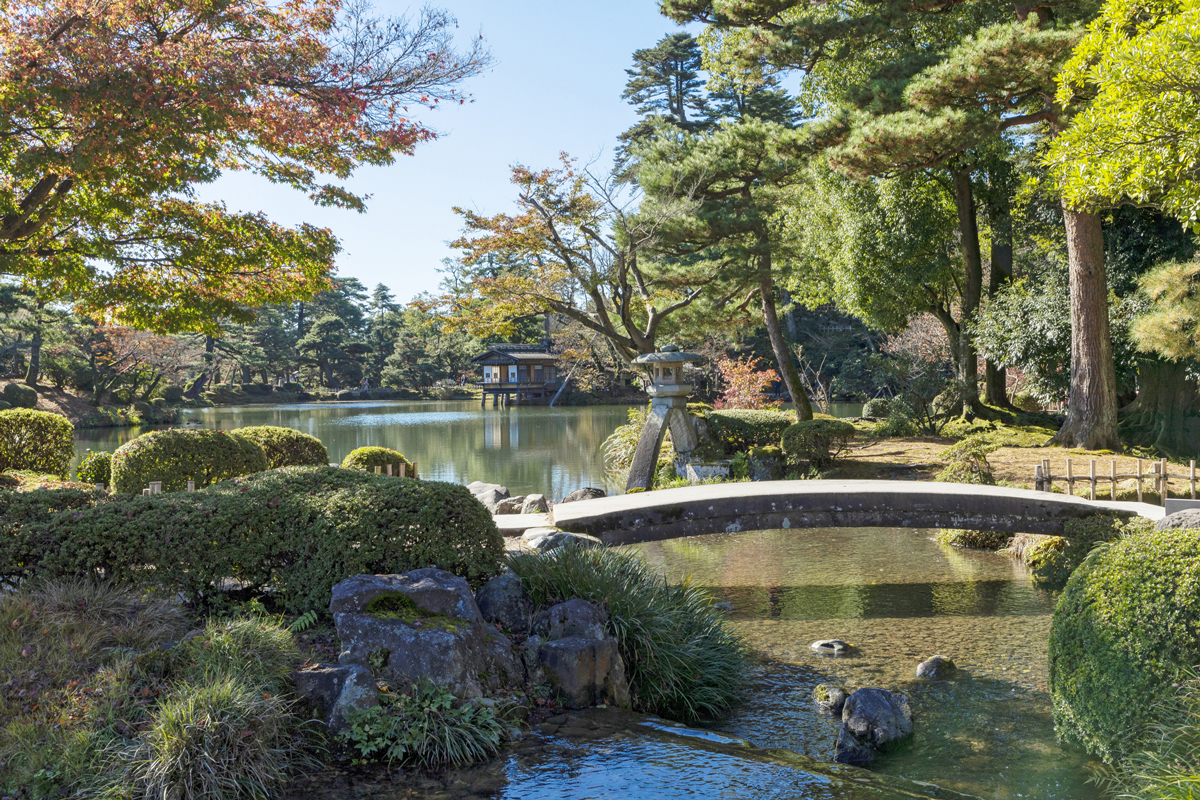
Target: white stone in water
[[831, 646]]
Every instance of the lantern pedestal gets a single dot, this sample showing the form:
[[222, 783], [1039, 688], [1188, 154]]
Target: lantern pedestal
[[668, 411]]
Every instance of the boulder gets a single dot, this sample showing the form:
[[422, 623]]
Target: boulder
[[585, 672], [337, 689], [491, 499], [936, 667], [503, 601], [877, 717], [849, 750], [510, 505], [552, 541], [535, 504], [20, 396], [1186, 519], [479, 487], [831, 647], [589, 493], [573, 618], [829, 699], [430, 589]]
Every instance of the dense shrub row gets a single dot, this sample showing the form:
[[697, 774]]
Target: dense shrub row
[[817, 441], [298, 530], [36, 440], [738, 429], [285, 447], [1126, 628], [366, 459], [178, 456]]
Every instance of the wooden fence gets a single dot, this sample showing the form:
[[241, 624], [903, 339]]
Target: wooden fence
[[1159, 476]]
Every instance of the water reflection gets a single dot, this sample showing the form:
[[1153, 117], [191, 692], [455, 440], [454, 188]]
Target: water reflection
[[899, 597], [548, 450]]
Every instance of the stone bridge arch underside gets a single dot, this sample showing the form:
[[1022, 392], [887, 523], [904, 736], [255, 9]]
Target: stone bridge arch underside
[[769, 505]]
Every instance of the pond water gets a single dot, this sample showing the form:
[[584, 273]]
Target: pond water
[[900, 597], [552, 451]]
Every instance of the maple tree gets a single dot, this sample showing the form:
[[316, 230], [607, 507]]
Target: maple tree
[[744, 384], [573, 248], [112, 113]]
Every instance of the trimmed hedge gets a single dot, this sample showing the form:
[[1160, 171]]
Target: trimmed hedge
[[24, 514], [817, 441], [1126, 627], [366, 459], [177, 456], [96, 467], [36, 440], [741, 429], [285, 447], [297, 530]]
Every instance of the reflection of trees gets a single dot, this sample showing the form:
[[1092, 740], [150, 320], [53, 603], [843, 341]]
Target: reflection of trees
[[553, 451]]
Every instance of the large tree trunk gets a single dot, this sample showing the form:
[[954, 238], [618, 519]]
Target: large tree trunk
[[1164, 415], [783, 356], [193, 391], [1000, 217], [971, 290], [1092, 407]]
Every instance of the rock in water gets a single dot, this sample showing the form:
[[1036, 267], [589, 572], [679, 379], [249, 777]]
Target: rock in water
[[479, 487], [535, 504], [579, 659], [544, 539], [830, 699], [877, 717], [588, 493], [1186, 519], [492, 498], [832, 647], [503, 601], [849, 750], [337, 689], [936, 667]]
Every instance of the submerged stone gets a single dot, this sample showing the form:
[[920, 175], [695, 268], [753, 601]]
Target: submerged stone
[[833, 647], [936, 667], [829, 699], [877, 717]]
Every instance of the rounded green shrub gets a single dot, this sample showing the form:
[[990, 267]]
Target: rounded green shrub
[[966, 461], [741, 429], [1127, 625], [294, 531], [877, 408], [177, 456], [173, 394], [19, 396], [36, 440], [366, 459], [817, 441], [285, 447], [222, 738], [96, 467], [682, 657]]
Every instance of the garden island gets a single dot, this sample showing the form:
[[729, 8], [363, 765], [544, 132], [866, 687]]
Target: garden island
[[844, 415]]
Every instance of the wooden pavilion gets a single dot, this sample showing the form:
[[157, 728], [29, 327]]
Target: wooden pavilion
[[518, 373]]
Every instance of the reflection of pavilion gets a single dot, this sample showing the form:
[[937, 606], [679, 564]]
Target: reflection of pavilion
[[500, 431], [518, 373]]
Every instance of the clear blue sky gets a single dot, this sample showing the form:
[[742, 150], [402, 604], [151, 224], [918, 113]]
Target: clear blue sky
[[556, 86]]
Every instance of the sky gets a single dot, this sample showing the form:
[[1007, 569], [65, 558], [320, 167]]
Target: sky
[[555, 87]]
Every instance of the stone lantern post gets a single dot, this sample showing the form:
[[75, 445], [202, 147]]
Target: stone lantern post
[[668, 411]]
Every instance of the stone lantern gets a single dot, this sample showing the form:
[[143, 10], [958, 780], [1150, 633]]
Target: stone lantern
[[668, 411]]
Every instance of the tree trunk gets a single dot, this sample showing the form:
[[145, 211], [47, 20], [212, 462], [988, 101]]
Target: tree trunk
[[1000, 217], [1166, 399], [971, 290], [193, 391], [783, 356], [1091, 421], [34, 372]]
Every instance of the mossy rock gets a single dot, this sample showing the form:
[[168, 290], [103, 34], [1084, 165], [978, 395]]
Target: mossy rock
[[400, 607]]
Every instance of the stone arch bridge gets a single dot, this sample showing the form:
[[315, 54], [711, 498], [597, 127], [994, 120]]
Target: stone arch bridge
[[769, 505]]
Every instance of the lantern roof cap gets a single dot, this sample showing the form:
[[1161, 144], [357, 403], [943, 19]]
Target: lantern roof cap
[[668, 354]]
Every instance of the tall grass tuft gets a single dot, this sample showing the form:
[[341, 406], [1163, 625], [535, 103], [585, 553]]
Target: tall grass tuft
[[225, 738], [682, 658], [258, 649], [1167, 764]]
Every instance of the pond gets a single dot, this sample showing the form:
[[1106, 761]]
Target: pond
[[900, 597], [551, 451]]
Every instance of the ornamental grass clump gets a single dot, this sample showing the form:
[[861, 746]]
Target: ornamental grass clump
[[1127, 627], [424, 727], [257, 649], [1165, 763], [223, 737], [285, 447], [682, 659]]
